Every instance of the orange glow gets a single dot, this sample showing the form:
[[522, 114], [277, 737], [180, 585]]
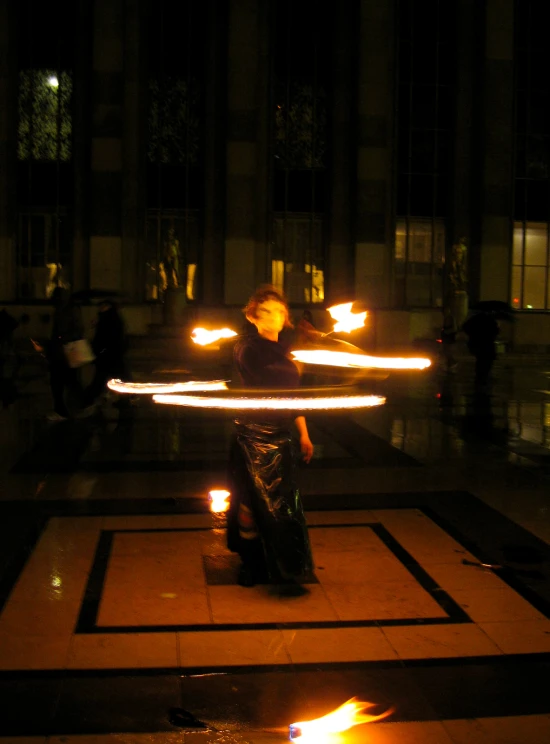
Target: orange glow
[[336, 403], [346, 320], [219, 500], [343, 718], [359, 361], [203, 337], [148, 388]]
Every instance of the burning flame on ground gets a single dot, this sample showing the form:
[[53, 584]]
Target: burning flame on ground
[[219, 500], [203, 337], [148, 388], [361, 361], [343, 718], [336, 403], [346, 320]]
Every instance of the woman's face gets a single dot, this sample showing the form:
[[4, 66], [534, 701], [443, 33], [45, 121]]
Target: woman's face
[[270, 317]]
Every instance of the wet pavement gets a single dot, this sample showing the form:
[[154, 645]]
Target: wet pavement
[[121, 620]]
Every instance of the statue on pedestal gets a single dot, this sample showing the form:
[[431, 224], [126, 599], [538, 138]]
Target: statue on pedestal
[[458, 282], [172, 260]]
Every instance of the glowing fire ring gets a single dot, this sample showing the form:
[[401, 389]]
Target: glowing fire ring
[[307, 403], [346, 359], [150, 388]]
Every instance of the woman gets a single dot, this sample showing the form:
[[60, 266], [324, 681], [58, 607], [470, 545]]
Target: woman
[[109, 347], [266, 525], [67, 326]]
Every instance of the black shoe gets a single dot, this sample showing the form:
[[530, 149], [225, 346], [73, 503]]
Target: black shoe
[[246, 577], [290, 588]]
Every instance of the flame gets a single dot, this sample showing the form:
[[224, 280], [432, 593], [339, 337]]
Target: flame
[[219, 500], [361, 361], [148, 388], [346, 320], [203, 337], [336, 403], [343, 718]]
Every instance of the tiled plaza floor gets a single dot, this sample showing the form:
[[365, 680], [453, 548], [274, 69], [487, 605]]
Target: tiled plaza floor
[[430, 529]]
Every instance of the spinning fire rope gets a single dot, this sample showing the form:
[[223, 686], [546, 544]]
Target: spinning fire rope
[[182, 393]]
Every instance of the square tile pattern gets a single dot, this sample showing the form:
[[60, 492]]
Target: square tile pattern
[[156, 592]]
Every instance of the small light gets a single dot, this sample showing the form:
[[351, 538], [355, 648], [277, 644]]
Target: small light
[[529, 307], [53, 81]]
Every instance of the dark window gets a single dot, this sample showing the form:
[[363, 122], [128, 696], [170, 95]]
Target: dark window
[[44, 146], [174, 153], [299, 198], [424, 121]]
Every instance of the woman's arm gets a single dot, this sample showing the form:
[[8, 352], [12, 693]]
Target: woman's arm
[[306, 446]]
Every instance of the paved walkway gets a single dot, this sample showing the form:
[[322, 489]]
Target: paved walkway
[[121, 620]]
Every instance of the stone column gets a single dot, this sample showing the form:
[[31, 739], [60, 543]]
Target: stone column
[[214, 154], [247, 149], [340, 245], [493, 261], [374, 237], [8, 150], [106, 156], [134, 152]]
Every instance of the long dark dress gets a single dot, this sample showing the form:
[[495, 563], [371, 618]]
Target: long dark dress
[[109, 346], [265, 501]]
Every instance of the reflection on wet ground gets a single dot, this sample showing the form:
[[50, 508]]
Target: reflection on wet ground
[[121, 620]]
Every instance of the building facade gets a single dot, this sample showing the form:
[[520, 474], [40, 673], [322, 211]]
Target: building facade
[[179, 153]]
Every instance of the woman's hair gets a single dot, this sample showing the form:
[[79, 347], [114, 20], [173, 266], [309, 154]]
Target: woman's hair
[[264, 293]]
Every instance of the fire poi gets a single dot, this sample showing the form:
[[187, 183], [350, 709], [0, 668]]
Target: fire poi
[[344, 356], [149, 388], [204, 337], [346, 320], [279, 403], [349, 714]]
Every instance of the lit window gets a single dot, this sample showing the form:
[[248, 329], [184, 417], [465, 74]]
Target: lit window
[[419, 258], [530, 266]]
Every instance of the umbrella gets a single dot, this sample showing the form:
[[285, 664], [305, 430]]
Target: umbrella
[[96, 294], [502, 310], [8, 324], [493, 306]]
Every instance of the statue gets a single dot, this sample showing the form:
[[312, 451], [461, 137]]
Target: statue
[[172, 259], [458, 275], [458, 282]]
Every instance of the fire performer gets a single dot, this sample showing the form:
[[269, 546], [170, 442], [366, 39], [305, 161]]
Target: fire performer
[[265, 522]]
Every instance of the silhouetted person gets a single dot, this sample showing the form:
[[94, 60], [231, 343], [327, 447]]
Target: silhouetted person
[[109, 346], [482, 331], [8, 358], [67, 326]]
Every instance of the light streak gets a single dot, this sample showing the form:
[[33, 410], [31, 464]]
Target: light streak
[[346, 320], [358, 361], [149, 388], [203, 337], [336, 403]]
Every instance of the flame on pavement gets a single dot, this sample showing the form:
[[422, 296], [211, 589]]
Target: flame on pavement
[[219, 500], [320, 730]]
